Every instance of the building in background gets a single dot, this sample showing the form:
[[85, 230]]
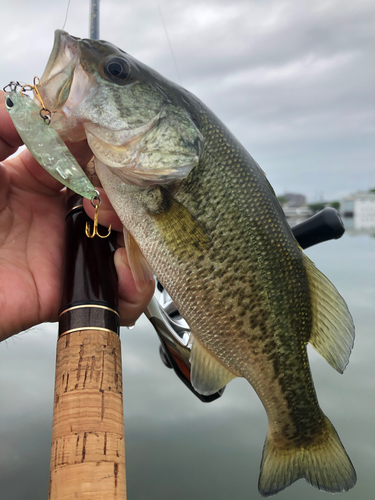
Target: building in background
[[294, 205], [295, 200], [360, 207]]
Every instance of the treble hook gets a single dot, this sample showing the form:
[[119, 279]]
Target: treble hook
[[95, 228], [44, 112]]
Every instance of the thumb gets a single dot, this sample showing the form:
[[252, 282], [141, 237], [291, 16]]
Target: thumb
[[132, 302]]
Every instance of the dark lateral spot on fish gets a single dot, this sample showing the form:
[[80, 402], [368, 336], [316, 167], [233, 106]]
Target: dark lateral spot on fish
[[253, 322], [241, 279], [286, 430], [262, 327], [228, 295], [9, 103], [268, 348]]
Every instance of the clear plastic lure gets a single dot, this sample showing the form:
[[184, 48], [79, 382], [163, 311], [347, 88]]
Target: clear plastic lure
[[45, 144]]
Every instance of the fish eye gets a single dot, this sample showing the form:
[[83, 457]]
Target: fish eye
[[9, 102], [117, 69]]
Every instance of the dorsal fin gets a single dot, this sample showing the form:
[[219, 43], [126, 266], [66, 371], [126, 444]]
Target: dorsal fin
[[333, 329]]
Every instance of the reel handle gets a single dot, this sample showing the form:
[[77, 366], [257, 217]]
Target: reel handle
[[323, 226]]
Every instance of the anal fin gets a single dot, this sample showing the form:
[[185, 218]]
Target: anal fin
[[207, 374]]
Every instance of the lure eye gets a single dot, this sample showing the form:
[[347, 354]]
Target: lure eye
[[9, 103], [117, 69]]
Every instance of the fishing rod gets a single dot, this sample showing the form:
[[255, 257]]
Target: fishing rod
[[88, 445]]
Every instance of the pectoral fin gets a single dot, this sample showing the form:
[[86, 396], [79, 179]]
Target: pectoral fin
[[207, 374], [180, 228], [333, 329]]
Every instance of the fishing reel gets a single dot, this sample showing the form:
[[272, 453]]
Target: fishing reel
[[174, 332]]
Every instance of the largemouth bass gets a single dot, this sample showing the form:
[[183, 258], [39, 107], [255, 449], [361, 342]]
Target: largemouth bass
[[199, 213]]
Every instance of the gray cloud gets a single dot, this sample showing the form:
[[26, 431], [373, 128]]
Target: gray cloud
[[287, 77]]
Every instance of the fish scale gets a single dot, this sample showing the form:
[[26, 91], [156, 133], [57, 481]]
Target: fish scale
[[252, 241]]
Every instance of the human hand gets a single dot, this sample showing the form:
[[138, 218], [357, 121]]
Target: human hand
[[32, 213]]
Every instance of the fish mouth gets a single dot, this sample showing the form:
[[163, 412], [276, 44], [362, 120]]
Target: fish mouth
[[64, 85], [58, 75]]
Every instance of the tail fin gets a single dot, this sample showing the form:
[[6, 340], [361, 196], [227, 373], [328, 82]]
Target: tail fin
[[324, 463]]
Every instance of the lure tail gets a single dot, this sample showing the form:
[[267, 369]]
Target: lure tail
[[324, 463]]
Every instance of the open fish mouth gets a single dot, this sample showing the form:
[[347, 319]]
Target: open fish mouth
[[64, 85], [64, 52], [57, 78]]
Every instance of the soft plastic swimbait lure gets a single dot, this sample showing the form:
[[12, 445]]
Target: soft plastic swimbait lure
[[46, 145]]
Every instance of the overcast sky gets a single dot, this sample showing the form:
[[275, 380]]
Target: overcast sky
[[293, 79]]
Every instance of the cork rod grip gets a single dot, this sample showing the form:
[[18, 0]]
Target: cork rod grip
[[88, 447]]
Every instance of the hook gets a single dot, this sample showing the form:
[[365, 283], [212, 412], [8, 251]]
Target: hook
[[12, 86], [95, 228]]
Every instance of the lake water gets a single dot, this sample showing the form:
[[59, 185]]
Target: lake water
[[176, 446]]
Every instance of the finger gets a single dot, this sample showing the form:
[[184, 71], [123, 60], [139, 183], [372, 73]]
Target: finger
[[132, 302], [38, 178], [107, 215], [4, 187], [10, 141]]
